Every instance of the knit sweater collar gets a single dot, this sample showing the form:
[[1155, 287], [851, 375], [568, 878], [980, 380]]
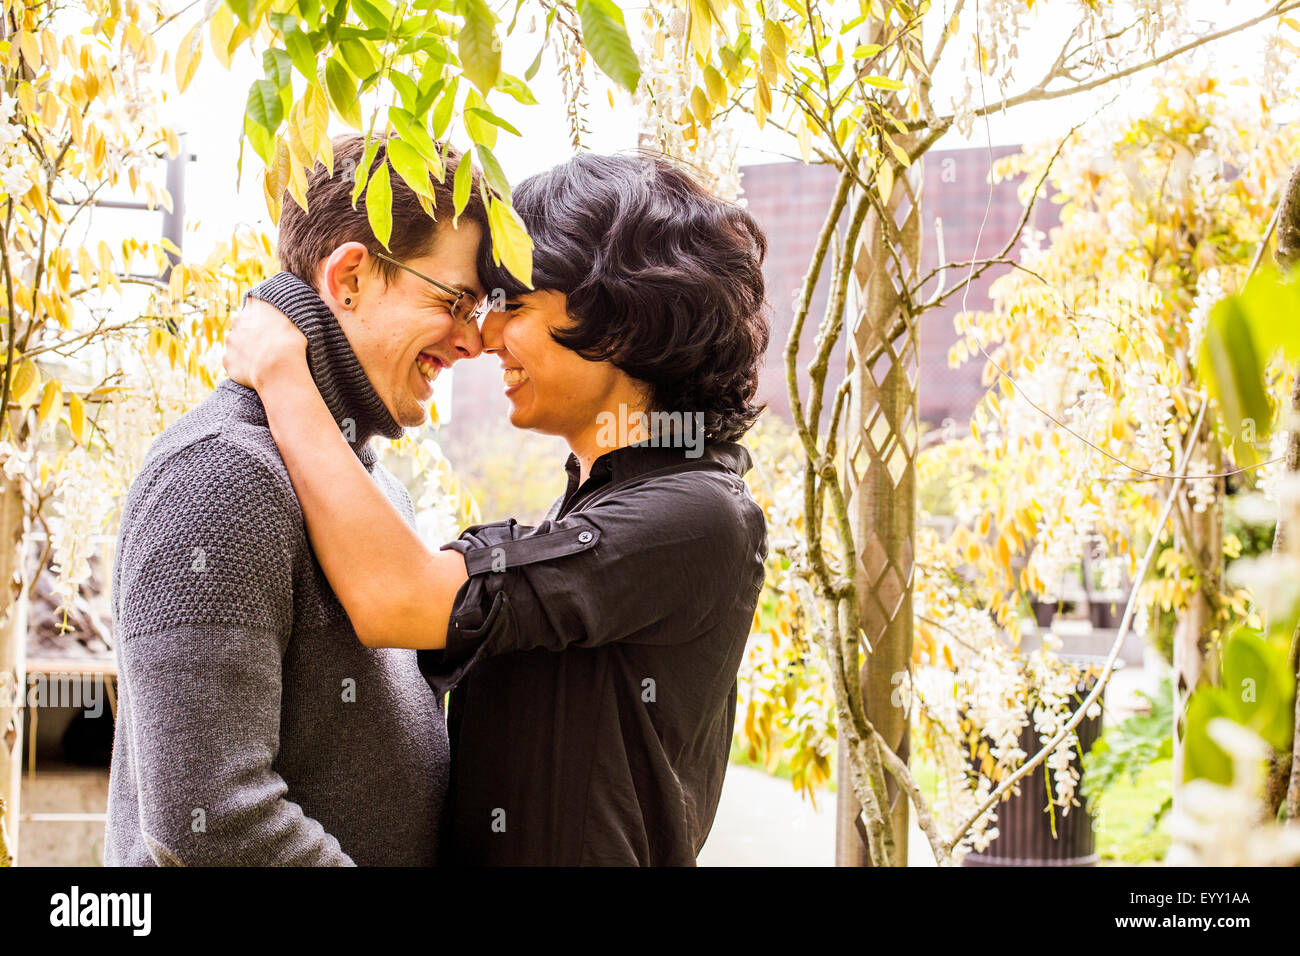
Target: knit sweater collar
[[352, 400]]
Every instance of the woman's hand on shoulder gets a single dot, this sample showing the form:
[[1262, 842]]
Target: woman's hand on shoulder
[[263, 344]]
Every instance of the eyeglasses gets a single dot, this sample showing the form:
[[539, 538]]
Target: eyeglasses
[[466, 308]]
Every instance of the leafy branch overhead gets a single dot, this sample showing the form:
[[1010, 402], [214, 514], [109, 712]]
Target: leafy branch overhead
[[405, 70]]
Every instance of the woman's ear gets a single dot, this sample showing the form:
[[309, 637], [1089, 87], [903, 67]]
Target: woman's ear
[[344, 275]]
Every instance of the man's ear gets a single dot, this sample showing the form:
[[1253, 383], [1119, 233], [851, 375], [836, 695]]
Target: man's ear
[[345, 275]]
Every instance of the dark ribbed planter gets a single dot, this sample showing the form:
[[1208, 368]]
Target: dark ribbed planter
[[1025, 825]]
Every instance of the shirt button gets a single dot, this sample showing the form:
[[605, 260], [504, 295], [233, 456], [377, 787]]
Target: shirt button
[[584, 536]]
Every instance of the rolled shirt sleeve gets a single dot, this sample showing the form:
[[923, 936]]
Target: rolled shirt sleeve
[[656, 564]]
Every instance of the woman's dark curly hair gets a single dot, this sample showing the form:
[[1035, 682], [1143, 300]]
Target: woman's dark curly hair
[[663, 280]]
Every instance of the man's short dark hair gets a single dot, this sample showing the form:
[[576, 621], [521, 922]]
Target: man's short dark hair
[[307, 237], [663, 279]]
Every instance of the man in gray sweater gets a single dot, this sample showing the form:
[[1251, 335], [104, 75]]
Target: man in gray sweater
[[253, 728]]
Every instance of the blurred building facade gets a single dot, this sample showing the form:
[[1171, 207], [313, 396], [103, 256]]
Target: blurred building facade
[[789, 200]]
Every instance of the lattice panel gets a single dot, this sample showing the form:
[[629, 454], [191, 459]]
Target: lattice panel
[[881, 442]]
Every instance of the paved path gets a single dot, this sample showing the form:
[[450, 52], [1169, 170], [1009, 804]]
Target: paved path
[[762, 821]]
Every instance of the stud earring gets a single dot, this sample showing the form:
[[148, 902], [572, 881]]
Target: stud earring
[[348, 300]]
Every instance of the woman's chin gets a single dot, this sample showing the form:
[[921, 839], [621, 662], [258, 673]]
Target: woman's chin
[[518, 418]]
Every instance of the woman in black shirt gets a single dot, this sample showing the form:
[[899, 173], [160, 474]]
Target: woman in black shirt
[[591, 659]]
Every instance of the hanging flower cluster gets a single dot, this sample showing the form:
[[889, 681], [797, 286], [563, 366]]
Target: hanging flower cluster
[[663, 102], [1090, 346]]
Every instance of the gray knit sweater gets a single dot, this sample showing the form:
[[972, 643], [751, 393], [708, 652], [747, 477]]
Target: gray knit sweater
[[253, 728]]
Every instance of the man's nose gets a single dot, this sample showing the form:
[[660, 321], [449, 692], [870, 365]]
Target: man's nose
[[466, 341]]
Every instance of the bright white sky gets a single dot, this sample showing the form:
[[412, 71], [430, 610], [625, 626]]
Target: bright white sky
[[211, 114], [211, 111]]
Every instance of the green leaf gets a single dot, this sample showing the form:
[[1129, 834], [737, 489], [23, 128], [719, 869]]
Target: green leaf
[[480, 131], [513, 86], [262, 115], [411, 166], [462, 182], [1231, 366], [489, 117], [406, 89], [379, 204], [277, 66], [605, 35], [441, 116], [372, 15], [492, 171], [363, 169], [1271, 302], [478, 46], [361, 57], [244, 10], [279, 70], [536, 64], [264, 105], [431, 86], [511, 244], [301, 53], [1257, 682], [1202, 757], [409, 129], [342, 89]]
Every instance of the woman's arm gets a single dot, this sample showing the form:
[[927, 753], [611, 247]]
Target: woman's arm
[[395, 591]]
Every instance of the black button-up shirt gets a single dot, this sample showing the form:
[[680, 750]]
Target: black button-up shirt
[[594, 660]]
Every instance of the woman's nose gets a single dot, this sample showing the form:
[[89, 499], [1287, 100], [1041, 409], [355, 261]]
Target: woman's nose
[[490, 330]]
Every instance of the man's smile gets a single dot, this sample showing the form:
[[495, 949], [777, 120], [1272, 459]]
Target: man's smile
[[430, 365]]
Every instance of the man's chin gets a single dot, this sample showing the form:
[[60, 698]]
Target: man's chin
[[414, 420], [411, 414]]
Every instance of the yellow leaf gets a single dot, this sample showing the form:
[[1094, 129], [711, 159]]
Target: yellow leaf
[[511, 244], [700, 107], [804, 138], [715, 85], [318, 117], [24, 384], [701, 34], [50, 398], [188, 55], [220, 29], [27, 97], [31, 47], [77, 418], [762, 101], [885, 181], [50, 48]]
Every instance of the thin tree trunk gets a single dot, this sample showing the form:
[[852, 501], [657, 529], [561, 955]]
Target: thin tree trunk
[[1202, 538], [880, 456], [13, 640]]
